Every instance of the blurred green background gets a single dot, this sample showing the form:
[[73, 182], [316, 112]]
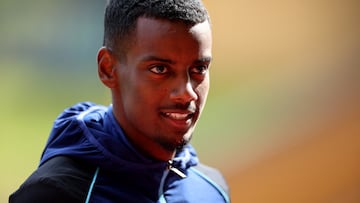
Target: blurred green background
[[282, 118]]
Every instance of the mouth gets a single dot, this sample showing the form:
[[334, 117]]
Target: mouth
[[179, 116], [179, 120]]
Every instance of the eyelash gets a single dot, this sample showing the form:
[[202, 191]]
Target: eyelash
[[154, 69], [199, 70], [204, 69]]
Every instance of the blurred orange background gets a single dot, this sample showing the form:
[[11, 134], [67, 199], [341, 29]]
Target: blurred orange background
[[296, 64]]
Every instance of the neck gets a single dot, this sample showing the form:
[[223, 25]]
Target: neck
[[151, 148], [145, 145]]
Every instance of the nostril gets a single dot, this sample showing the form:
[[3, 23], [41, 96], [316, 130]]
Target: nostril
[[184, 93]]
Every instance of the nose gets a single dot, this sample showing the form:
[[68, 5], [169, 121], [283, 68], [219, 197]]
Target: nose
[[183, 91]]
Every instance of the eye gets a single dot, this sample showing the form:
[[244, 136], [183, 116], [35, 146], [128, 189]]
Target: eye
[[159, 69], [201, 69]]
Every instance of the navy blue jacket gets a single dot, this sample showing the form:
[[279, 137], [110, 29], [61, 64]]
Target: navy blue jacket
[[88, 158]]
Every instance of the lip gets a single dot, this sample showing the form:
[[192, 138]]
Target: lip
[[179, 120]]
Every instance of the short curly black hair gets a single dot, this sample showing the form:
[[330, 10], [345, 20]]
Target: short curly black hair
[[121, 17]]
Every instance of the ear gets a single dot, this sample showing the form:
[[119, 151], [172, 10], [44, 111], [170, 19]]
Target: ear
[[106, 67]]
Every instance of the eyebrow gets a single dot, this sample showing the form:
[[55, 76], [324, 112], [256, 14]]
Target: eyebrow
[[169, 61], [155, 58], [204, 59]]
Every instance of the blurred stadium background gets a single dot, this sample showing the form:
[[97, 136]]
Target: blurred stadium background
[[283, 116]]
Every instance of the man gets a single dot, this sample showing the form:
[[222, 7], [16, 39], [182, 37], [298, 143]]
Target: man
[[155, 60]]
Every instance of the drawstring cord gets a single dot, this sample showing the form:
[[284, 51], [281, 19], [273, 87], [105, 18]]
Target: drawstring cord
[[92, 185]]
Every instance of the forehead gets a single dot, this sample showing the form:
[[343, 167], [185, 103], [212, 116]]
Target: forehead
[[156, 34], [147, 26]]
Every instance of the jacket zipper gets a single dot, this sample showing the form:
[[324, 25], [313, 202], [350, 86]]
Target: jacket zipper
[[169, 168], [175, 170]]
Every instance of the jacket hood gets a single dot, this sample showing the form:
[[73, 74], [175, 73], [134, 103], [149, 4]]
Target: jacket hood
[[90, 132]]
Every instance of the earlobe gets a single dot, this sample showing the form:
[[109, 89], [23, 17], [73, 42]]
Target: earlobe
[[106, 67]]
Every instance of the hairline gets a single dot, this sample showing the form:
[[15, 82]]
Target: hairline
[[129, 37]]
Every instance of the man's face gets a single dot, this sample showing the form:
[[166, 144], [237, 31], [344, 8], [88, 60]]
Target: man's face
[[162, 85]]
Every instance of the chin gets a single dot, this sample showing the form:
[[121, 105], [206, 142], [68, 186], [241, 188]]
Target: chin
[[186, 140], [182, 144], [176, 144]]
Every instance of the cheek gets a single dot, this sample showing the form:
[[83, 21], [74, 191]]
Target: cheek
[[202, 91], [131, 93], [145, 97]]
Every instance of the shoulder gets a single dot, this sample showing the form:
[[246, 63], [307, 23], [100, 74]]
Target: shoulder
[[60, 179], [212, 175], [73, 112]]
